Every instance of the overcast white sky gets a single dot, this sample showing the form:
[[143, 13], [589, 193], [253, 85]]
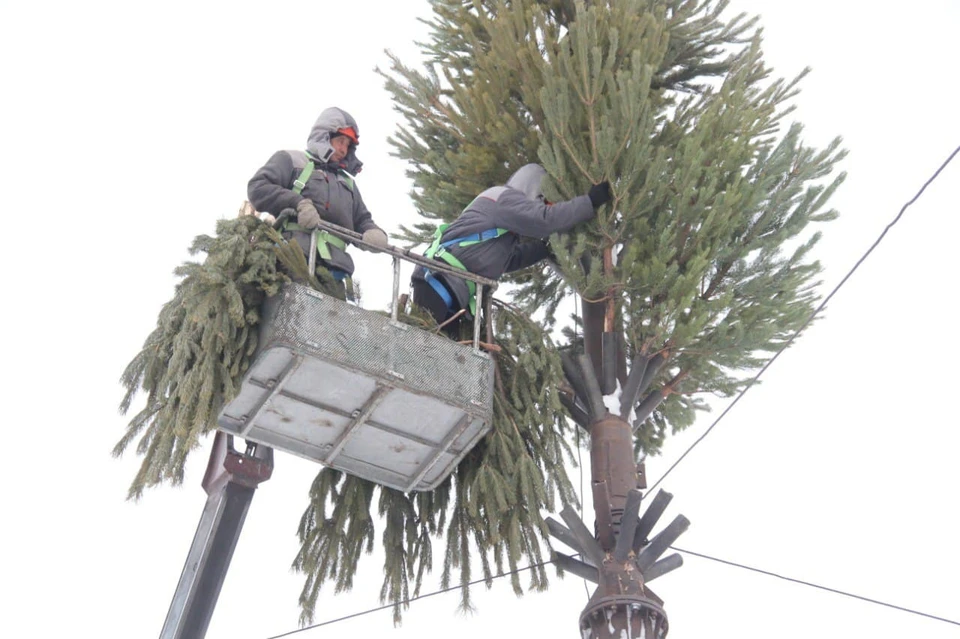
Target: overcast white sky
[[125, 131]]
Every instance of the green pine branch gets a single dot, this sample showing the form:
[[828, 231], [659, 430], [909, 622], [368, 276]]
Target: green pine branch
[[190, 366], [489, 510], [714, 193]]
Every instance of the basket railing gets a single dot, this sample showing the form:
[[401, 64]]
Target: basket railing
[[485, 286]]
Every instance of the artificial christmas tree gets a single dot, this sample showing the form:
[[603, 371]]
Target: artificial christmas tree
[[696, 273]]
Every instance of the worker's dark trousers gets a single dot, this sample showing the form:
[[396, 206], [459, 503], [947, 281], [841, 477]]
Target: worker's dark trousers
[[425, 297]]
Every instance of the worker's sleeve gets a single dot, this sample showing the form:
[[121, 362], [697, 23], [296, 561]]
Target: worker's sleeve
[[529, 218], [527, 254], [362, 219], [269, 188]]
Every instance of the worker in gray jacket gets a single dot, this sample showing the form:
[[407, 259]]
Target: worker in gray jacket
[[318, 184], [490, 239]]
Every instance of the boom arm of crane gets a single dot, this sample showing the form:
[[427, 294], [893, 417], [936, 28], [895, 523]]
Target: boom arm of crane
[[230, 481]]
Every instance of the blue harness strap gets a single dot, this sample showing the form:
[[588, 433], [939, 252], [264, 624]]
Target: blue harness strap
[[438, 250], [439, 288], [475, 238]]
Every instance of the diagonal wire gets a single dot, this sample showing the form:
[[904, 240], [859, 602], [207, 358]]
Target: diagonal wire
[[576, 311], [807, 322], [586, 589], [813, 585], [710, 428], [688, 552], [411, 599]]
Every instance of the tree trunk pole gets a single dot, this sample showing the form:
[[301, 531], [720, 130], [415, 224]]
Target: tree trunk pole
[[618, 557], [594, 314], [610, 308], [621, 607], [612, 464]]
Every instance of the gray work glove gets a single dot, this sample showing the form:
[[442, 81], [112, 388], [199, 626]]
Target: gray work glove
[[307, 215], [376, 237], [599, 194]]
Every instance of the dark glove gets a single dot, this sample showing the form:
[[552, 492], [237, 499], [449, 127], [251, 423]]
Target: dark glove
[[599, 194], [285, 216], [307, 215]]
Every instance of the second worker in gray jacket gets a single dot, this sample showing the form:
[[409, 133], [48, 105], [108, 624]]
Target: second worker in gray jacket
[[487, 238]]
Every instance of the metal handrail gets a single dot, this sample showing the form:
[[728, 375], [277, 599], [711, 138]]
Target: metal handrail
[[409, 256]]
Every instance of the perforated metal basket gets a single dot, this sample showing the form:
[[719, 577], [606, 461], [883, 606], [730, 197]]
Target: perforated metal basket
[[357, 391]]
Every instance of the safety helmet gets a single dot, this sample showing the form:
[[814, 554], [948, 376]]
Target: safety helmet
[[350, 132]]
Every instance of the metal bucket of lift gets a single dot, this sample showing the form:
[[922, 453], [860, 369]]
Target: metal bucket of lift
[[360, 392]]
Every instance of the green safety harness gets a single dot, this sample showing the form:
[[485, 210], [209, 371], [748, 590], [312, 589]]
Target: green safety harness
[[438, 250], [324, 239]]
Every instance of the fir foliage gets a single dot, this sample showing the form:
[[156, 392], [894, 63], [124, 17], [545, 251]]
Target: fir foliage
[[708, 233], [704, 252], [489, 511], [190, 366]]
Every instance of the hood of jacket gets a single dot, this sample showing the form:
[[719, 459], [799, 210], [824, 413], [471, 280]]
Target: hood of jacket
[[528, 179], [318, 143]]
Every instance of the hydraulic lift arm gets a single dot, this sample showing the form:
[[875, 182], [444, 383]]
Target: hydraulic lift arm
[[230, 482]]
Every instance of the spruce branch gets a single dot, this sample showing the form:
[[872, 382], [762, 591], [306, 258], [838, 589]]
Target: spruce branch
[[489, 508], [710, 225], [191, 364]]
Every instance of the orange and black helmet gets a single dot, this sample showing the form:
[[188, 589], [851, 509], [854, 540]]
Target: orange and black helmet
[[350, 132]]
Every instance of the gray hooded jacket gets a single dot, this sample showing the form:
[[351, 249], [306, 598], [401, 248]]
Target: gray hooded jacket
[[519, 208], [331, 187]]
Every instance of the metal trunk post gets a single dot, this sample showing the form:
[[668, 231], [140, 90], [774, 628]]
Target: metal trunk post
[[618, 556]]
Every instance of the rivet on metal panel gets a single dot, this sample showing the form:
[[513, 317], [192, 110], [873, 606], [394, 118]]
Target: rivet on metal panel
[[396, 374], [271, 383], [244, 418], [355, 413]]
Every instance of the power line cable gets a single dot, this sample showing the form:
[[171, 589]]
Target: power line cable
[[813, 585], [808, 320], [681, 458], [687, 552], [580, 466], [576, 311], [411, 599]]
